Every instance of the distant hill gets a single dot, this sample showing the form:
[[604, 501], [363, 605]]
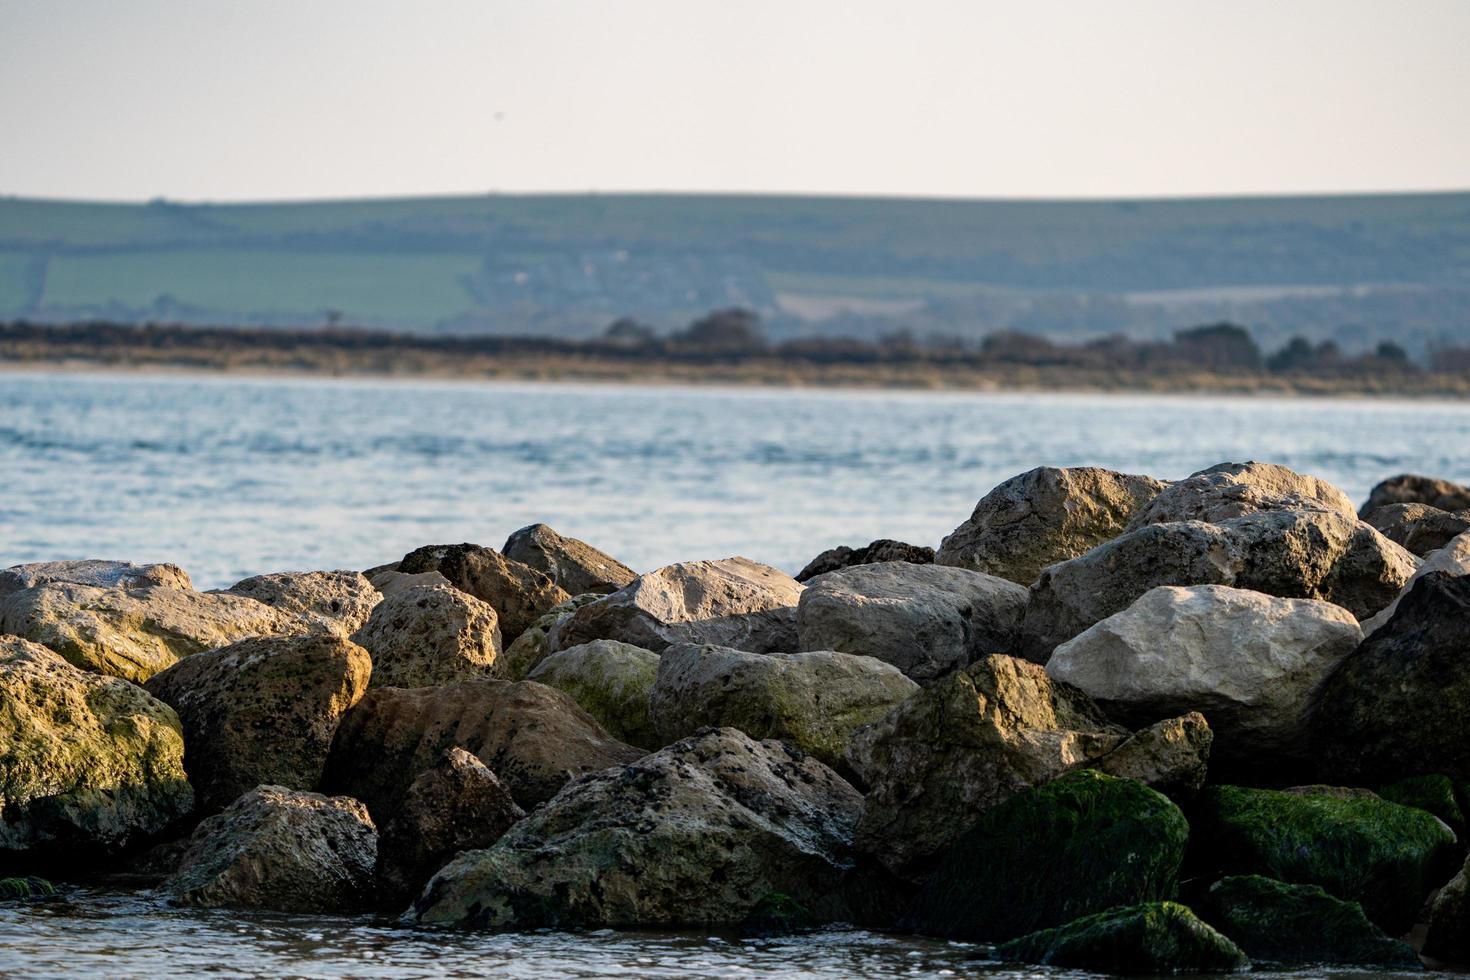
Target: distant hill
[[1357, 268]]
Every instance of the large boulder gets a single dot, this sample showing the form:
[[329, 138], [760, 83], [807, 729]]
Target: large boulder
[[1448, 936], [262, 710], [733, 602], [1408, 488], [133, 634], [88, 763], [1044, 516], [1398, 705], [967, 742], [522, 654], [1154, 938], [96, 572], [1080, 844], [884, 549], [535, 738], [1363, 849], [695, 834], [458, 805], [611, 680], [816, 701], [926, 620], [1292, 554], [1272, 920], [280, 849], [1236, 489], [572, 564], [519, 593], [430, 635], [1453, 559], [1419, 528], [1252, 663], [338, 601]]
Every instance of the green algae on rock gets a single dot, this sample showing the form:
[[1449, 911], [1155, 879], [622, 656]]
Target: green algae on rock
[[611, 681], [1153, 937], [1360, 848], [1080, 844], [1273, 920]]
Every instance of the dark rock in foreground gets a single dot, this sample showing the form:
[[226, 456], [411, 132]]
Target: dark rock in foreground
[[1152, 938]]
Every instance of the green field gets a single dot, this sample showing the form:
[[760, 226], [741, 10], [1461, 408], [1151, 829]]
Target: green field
[[570, 263]]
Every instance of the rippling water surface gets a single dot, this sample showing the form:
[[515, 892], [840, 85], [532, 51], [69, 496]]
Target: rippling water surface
[[233, 477]]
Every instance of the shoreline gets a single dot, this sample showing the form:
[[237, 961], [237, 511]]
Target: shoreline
[[1028, 381]]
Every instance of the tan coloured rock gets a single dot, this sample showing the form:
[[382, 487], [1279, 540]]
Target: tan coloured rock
[[88, 763], [1230, 490], [430, 635], [534, 644], [96, 572], [572, 564], [734, 602], [1171, 756], [1409, 488], [262, 710], [1044, 516], [133, 634], [339, 601], [1420, 528], [519, 594]]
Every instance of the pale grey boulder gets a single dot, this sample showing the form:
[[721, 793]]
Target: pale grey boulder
[[1314, 554], [280, 849], [135, 633], [965, 743], [262, 711], [694, 835], [339, 601], [430, 635], [572, 564], [88, 764], [97, 572], [1251, 663], [816, 701], [924, 619], [1229, 490], [731, 602], [1044, 516], [611, 681]]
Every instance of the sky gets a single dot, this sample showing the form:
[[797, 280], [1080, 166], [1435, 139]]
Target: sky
[[290, 99]]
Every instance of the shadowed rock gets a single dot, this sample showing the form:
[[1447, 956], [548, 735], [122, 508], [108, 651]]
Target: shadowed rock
[[519, 593], [572, 564], [1408, 488], [884, 549]]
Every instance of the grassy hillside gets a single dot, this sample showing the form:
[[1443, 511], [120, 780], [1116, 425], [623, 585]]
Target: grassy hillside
[[567, 264]]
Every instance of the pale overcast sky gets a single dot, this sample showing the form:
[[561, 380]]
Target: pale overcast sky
[[252, 99]]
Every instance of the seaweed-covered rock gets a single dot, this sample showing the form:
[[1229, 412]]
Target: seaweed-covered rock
[[611, 681], [25, 889], [1384, 856], [733, 602], [695, 834], [339, 601], [1171, 756], [1229, 490], [96, 572], [280, 849], [534, 644], [430, 635], [535, 738], [1408, 488], [518, 593], [884, 549], [926, 620], [1080, 844], [1293, 554], [1273, 920], [1044, 516], [777, 915], [1420, 528], [965, 743], [1252, 663], [458, 805], [816, 701], [88, 763], [1151, 938], [1397, 705], [135, 633], [262, 710], [1434, 793], [572, 564]]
